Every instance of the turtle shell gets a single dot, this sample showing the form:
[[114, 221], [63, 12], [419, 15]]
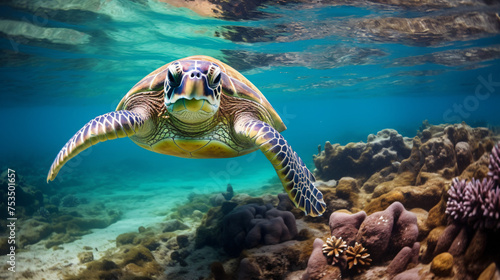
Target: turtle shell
[[233, 84]]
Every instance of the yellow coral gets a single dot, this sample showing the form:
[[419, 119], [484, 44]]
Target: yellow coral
[[358, 256], [333, 248]]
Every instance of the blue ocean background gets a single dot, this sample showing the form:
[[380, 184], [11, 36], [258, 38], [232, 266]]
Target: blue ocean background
[[63, 63]]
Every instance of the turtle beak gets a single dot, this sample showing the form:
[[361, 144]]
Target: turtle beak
[[193, 101], [194, 87]]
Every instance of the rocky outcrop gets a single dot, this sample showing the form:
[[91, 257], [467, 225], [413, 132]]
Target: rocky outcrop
[[361, 160]]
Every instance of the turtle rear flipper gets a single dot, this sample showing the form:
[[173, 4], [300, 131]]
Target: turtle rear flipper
[[293, 173], [109, 126]]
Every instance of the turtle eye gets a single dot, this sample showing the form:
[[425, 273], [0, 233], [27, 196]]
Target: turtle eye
[[174, 75], [214, 76]]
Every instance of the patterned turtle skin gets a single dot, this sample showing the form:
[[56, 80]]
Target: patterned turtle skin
[[199, 107]]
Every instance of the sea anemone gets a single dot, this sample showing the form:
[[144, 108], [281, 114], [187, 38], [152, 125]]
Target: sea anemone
[[495, 164], [333, 248], [358, 257]]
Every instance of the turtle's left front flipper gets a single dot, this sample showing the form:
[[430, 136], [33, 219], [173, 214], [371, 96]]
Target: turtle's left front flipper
[[109, 126], [293, 173]]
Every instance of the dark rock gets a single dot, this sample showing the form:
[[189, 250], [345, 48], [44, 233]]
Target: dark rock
[[173, 225], [182, 241]]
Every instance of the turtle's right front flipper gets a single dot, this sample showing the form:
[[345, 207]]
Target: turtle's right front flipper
[[297, 180], [109, 126]]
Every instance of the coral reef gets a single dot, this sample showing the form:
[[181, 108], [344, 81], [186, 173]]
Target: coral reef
[[361, 159], [250, 225], [477, 202], [387, 235], [397, 221]]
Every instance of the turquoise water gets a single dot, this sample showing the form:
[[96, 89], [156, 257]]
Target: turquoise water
[[328, 74]]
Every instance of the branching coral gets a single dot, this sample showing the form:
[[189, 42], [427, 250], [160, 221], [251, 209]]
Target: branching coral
[[455, 206], [495, 164], [477, 202], [333, 248], [358, 257]]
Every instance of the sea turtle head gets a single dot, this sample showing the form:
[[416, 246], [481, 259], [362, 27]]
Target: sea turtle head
[[192, 90]]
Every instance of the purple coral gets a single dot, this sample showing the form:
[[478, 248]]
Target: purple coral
[[455, 204], [475, 193], [477, 202], [495, 164], [491, 208]]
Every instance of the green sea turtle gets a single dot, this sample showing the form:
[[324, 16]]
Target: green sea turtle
[[199, 107]]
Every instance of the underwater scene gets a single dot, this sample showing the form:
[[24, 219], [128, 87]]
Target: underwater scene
[[207, 139]]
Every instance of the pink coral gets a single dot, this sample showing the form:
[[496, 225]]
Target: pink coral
[[495, 164], [477, 202], [455, 204]]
